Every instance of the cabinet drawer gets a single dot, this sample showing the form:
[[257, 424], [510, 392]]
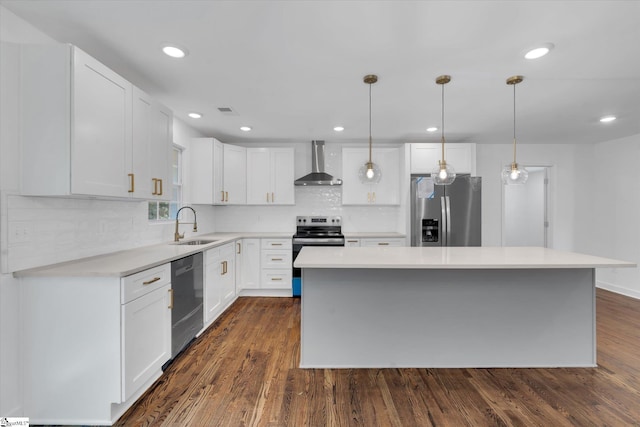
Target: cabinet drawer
[[382, 242], [276, 279], [141, 283], [276, 244], [352, 243], [276, 259]]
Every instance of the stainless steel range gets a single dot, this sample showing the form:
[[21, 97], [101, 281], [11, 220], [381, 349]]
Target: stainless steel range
[[314, 231]]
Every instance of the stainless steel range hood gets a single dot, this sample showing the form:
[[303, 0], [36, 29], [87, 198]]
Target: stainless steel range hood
[[317, 176]]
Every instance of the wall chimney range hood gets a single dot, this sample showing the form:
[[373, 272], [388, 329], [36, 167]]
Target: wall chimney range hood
[[317, 176]]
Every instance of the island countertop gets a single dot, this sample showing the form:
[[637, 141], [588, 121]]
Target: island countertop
[[449, 258]]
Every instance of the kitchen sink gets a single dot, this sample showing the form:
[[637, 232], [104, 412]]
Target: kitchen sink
[[196, 242]]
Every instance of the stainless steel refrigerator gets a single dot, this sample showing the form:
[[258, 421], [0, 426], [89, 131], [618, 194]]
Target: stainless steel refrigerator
[[446, 215]]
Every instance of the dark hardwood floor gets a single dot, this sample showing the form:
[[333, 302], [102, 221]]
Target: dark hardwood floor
[[243, 371]]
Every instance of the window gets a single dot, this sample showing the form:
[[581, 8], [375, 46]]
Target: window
[[166, 211]]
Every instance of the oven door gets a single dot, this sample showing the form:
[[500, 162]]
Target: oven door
[[297, 245]]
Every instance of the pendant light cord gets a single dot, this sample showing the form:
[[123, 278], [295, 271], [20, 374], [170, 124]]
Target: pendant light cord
[[370, 123], [514, 123], [442, 139]]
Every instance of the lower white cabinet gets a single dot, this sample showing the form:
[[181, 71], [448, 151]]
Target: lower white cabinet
[[248, 264], [275, 264], [146, 338], [219, 279], [93, 345]]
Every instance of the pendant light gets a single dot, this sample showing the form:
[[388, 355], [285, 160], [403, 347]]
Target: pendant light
[[370, 173], [443, 174], [513, 173]]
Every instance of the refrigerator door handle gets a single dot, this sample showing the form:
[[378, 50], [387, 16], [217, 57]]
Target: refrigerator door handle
[[448, 225], [444, 229]]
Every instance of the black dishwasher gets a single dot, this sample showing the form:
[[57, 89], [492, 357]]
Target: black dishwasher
[[187, 313]]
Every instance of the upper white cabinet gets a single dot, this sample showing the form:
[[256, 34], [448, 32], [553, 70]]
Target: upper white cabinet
[[425, 156], [386, 192], [270, 176], [152, 138], [218, 172], [78, 125]]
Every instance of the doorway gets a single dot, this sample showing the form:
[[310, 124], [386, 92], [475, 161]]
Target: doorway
[[525, 220]]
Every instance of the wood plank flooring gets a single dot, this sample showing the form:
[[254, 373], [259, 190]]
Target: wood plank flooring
[[243, 372]]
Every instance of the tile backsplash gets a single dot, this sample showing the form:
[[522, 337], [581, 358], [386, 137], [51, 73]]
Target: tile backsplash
[[47, 230]]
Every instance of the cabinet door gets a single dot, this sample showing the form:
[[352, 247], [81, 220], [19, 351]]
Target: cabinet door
[[205, 171], [353, 191], [218, 195], [212, 285], [462, 157], [235, 174], [387, 191], [146, 338], [101, 146], [249, 269], [142, 145], [258, 173], [228, 273], [282, 176], [160, 155], [424, 157]]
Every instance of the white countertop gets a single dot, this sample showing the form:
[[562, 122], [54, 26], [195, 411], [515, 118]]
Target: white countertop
[[125, 263], [448, 258]]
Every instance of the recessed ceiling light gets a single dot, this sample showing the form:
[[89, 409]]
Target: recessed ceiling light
[[607, 119], [174, 51], [338, 128], [245, 128], [539, 52], [195, 115], [432, 129]]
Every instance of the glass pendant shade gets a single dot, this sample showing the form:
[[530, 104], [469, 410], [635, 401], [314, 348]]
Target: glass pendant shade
[[370, 173], [514, 174], [443, 174]]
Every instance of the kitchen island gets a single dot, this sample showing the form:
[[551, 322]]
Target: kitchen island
[[448, 307]]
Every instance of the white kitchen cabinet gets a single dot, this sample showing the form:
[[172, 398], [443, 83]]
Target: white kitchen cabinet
[[110, 337], [276, 264], [270, 176], [217, 172], [220, 281], [425, 157], [248, 264], [77, 128], [369, 242], [152, 142], [386, 192], [234, 182]]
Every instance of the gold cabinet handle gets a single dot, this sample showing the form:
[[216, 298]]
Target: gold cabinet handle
[[222, 200], [226, 196], [132, 184], [374, 197], [239, 248], [383, 244], [368, 197], [148, 282], [155, 186], [352, 241], [272, 198], [222, 266], [276, 279], [267, 197], [170, 299], [160, 193], [276, 244], [276, 259]]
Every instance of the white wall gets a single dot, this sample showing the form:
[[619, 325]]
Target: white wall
[[616, 206], [321, 200], [570, 194]]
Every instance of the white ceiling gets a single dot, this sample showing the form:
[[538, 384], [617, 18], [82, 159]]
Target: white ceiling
[[293, 69]]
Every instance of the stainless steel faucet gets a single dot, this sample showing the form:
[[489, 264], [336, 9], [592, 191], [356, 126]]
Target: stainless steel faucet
[[177, 236]]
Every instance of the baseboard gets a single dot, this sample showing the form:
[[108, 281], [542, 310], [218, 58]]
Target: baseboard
[[618, 289], [265, 293]]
